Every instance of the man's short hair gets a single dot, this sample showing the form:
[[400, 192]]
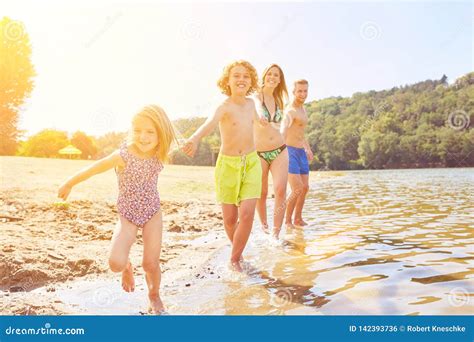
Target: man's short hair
[[300, 81]]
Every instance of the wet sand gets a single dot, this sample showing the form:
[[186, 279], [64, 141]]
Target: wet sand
[[47, 245], [53, 256]]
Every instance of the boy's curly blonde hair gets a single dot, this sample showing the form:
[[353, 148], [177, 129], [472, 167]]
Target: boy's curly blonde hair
[[224, 79]]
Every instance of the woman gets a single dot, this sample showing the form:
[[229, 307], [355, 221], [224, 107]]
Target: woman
[[271, 146]]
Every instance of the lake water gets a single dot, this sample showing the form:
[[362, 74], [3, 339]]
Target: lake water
[[386, 242]]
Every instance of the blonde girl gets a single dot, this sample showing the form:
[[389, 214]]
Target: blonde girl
[[137, 163]]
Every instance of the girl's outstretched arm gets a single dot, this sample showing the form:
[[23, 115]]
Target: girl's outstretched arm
[[99, 166]]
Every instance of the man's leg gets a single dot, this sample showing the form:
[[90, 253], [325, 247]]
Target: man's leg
[[296, 188], [300, 201]]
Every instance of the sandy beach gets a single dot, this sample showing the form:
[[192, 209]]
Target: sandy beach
[[46, 243]]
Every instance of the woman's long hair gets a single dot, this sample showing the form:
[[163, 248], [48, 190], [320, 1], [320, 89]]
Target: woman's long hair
[[280, 93]]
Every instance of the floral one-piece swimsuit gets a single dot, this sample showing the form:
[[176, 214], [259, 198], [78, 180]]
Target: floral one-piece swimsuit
[[138, 198]]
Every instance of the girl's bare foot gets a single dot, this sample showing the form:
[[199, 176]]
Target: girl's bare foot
[[300, 222], [236, 266], [128, 282], [289, 225], [276, 232], [156, 306], [265, 228]]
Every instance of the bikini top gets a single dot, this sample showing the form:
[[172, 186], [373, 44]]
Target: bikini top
[[278, 113]]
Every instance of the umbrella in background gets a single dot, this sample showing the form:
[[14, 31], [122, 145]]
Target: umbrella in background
[[70, 150]]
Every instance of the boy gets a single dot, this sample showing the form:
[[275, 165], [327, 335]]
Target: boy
[[238, 173]]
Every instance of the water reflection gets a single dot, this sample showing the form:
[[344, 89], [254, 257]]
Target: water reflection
[[378, 242]]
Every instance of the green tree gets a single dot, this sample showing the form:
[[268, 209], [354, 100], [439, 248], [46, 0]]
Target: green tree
[[379, 150], [16, 74], [85, 143], [46, 143], [108, 143], [204, 154], [421, 125]]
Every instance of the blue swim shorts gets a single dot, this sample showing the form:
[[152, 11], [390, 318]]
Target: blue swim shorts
[[298, 162]]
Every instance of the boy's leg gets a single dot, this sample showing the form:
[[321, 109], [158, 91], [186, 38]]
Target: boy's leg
[[300, 201], [279, 169], [122, 240], [226, 193], [230, 214], [262, 201], [296, 188], [152, 236], [242, 233]]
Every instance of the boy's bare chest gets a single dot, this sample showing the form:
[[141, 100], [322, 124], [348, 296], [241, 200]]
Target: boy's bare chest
[[240, 119]]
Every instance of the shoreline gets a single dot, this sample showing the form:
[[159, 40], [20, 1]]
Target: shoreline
[[65, 244], [50, 245]]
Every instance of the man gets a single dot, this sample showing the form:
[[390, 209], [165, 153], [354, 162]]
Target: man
[[299, 152]]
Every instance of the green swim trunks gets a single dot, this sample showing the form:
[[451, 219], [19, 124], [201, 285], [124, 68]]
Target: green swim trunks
[[238, 178]]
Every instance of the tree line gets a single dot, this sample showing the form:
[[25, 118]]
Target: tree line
[[427, 124]]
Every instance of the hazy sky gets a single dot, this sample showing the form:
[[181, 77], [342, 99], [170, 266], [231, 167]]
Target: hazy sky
[[97, 64]]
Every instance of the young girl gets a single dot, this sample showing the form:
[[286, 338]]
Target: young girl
[[137, 164]]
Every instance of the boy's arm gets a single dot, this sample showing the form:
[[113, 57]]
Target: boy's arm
[[258, 114], [206, 128], [99, 166]]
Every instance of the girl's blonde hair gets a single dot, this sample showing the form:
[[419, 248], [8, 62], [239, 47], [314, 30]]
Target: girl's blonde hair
[[280, 93], [224, 79], [164, 129]]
